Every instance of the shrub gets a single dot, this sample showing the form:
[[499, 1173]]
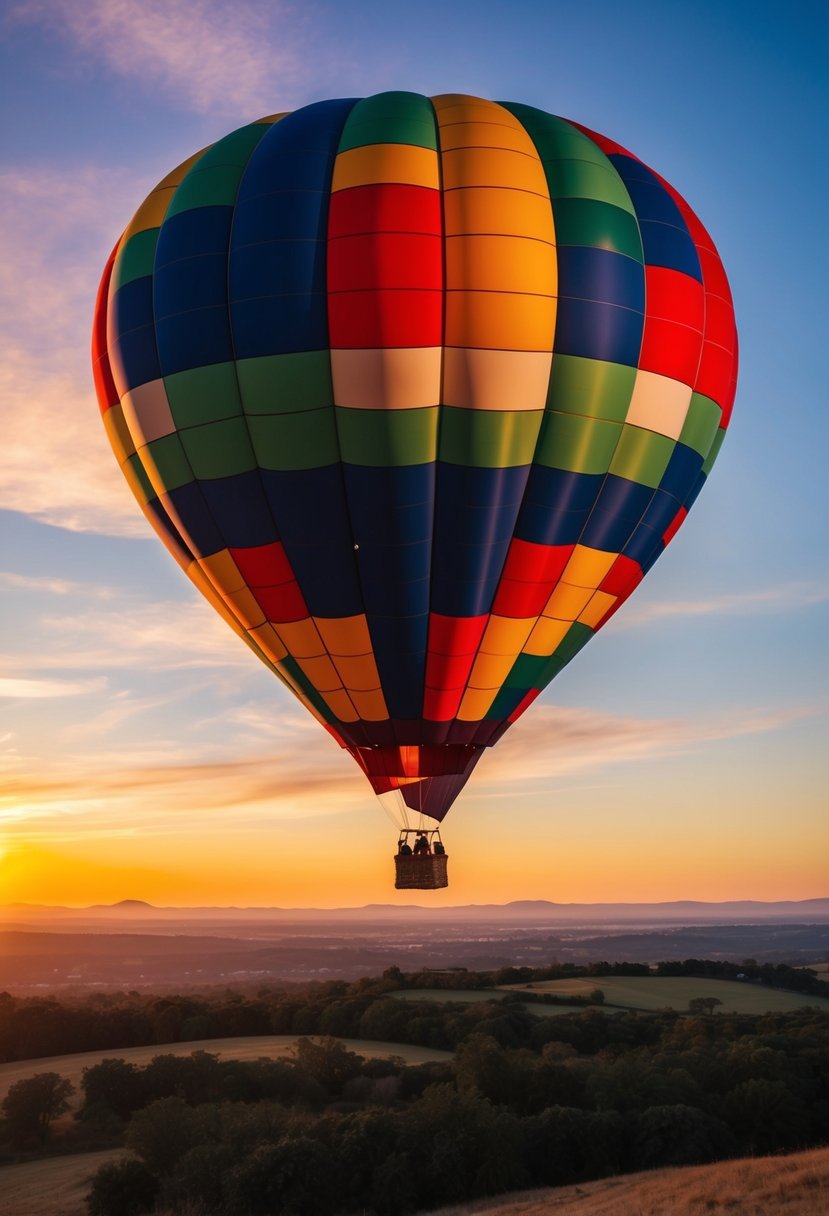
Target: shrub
[[122, 1188]]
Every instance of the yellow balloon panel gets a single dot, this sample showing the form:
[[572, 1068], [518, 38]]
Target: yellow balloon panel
[[400, 163]]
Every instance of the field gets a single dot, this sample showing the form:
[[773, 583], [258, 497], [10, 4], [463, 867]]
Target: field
[[796, 1185], [644, 992], [250, 1048], [649, 993], [54, 1187]]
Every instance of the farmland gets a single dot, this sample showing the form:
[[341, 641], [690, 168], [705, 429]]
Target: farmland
[[55, 1187], [644, 993], [649, 993]]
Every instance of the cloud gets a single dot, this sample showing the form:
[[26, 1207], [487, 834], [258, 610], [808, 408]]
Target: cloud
[[209, 55], [551, 742], [168, 636], [55, 461], [784, 598], [15, 687], [53, 586], [304, 773], [308, 774], [59, 227]]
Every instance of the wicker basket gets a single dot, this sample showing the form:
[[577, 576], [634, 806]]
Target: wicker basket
[[420, 871]]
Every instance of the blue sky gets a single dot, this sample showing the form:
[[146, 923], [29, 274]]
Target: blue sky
[[683, 753]]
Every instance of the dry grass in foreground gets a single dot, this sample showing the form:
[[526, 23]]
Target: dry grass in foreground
[[795, 1185]]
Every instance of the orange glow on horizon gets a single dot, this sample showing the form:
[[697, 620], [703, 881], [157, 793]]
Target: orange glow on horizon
[[342, 866]]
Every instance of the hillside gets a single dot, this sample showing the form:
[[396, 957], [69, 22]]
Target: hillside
[[794, 1185]]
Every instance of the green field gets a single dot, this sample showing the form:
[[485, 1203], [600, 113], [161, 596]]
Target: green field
[[647, 993], [252, 1047], [652, 992]]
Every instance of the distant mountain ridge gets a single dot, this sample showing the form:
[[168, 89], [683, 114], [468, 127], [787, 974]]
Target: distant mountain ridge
[[683, 910]]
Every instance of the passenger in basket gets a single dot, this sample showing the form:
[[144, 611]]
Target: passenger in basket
[[422, 845], [405, 849]]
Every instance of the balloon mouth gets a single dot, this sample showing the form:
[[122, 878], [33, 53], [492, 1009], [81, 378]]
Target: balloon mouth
[[428, 778]]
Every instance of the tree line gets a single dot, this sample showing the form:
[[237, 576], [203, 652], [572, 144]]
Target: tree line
[[31, 1027]]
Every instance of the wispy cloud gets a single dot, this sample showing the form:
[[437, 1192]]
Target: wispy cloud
[[207, 54], [35, 690], [550, 742], [304, 773], [786, 597], [166, 636], [308, 774], [53, 586], [55, 462]]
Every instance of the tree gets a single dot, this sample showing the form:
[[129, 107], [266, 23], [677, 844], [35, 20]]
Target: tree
[[162, 1133], [767, 1116], [565, 1145], [31, 1105], [328, 1061], [703, 1004], [113, 1084], [292, 1177], [678, 1135], [122, 1188], [460, 1146]]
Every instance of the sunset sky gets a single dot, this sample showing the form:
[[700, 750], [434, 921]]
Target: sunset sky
[[144, 752]]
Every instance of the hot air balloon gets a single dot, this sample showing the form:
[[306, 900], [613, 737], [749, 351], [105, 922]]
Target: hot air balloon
[[415, 390]]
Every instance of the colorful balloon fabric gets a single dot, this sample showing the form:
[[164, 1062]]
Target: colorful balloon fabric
[[416, 391]]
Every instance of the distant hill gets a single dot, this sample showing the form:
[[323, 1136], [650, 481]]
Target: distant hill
[[688, 911], [123, 905]]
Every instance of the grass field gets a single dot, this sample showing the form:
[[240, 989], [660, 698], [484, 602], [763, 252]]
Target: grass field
[[644, 992], [54, 1187], [250, 1048], [651, 992], [795, 1185]]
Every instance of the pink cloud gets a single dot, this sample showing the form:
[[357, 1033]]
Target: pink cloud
[[210, 56], [55, 461]]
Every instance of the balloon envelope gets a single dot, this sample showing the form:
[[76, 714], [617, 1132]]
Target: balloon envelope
[[416, 391]]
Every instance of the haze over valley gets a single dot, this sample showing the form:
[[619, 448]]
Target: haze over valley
[[137, 946]]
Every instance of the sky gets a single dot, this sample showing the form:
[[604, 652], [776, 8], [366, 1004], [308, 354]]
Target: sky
[[144, 752]]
